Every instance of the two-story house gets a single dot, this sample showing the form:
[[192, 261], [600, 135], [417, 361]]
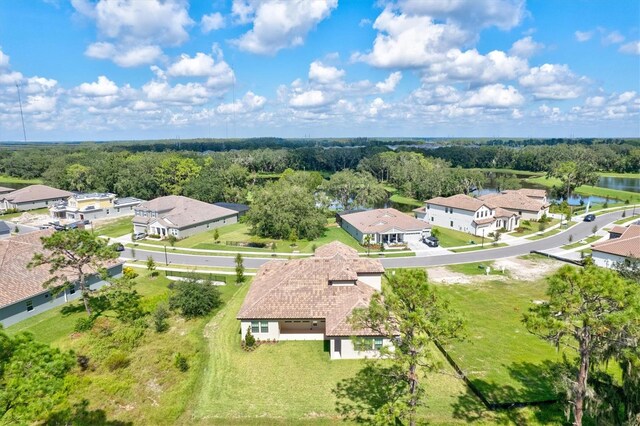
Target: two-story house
[[467, 214], [180, 216], [93, 206]]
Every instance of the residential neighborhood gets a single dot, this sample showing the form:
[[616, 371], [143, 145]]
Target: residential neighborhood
[[91, 206], [383, 226], [32, 197]]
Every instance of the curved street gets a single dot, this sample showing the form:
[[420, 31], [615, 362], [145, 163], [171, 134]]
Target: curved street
[[579, 231]]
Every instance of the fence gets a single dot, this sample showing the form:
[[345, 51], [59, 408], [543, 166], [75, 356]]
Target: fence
[[197, 275]]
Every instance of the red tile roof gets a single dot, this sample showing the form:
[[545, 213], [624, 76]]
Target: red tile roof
[[381, 220], [627, 245]]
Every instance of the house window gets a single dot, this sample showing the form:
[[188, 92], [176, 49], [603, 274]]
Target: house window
[[431, 218], [377, 343], [255, 327], [107, 211], [451, 224], [428, 206], [29, 304], [72, 289], [264, 326], [367, 344]]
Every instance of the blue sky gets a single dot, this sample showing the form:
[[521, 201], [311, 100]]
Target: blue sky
[[138, 69]]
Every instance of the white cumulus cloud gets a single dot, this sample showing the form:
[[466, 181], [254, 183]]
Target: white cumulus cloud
[[309, 99], [324, 74], [212, 22], [494, 95], [102, 87], [553, 81], [526, 47], [390, 83], [632, 48]]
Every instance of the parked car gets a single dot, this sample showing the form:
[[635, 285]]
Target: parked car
[[59, 228], [590, 217], [140, 236], [118, 247], [431, 241]]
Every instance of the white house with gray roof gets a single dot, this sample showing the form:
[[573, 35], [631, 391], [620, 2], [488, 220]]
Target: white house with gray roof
[[383, 226], [95, 205], [32, 197], [180, 216]]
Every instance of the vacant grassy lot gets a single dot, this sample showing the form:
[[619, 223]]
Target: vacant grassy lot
[[476, 268], [6, 216], [505, 361], [116, 228], [150, 389], [451, 238], [240, 232]]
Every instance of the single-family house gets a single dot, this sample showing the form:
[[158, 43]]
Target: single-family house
[[616, 231], [535, 194], [32, 197], [383, 226], [517, 201], [615, 250], [93, 206], [467, 214], [312, 299], [22, 294], [180, 216]]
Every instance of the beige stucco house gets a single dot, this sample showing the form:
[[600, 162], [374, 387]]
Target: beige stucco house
[[623, 244], [312, 299], [386, 226], [180, 216], [90, 206], [529, 204]]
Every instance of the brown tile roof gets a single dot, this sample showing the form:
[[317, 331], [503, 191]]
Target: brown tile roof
[[178, 211], [35, 193], [460, 201], [514, 201], [301, 289], [381, 220], [627, 245], [618, 229], [529, 192], [17, 282], [500, 212], [484, 221], [4, 190]]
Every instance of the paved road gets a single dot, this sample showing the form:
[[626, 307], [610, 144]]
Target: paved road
[[579, 231]]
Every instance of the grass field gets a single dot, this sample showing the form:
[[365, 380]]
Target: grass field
[[545, 235], [11, 179], [633, 197], [500, 357], [627, 219], [586, 241], [512, 171], [7, 216], [533, 227], [476, 268], [116, 228], [240, 232], [401, 199], [451, 238]]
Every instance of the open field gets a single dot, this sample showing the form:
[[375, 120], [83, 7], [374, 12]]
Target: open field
[[633, 197], [11, 179], [7, 216], [116, 228], [401, 199]]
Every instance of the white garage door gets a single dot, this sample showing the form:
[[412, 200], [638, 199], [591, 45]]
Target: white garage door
[[412, 237]]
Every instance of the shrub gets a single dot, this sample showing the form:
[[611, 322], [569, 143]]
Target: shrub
[[624, 213], [527, 222], [194, 299], [249, 340], [160, 316], [129, 273], [117, 360], [83, 362], [84, 324], [172, 240], [542, 226], [570, 238], [181, 362], [520, 229]]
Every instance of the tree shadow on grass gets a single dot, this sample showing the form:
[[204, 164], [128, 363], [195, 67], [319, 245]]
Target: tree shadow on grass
[[361, 397], [80, 415], [538, 387], [98, 305]]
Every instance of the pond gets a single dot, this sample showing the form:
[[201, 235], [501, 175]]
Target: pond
[[620, 183]]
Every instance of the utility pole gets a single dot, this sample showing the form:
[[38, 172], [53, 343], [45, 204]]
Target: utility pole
[[166, 261], [24, 131], [482, 237]]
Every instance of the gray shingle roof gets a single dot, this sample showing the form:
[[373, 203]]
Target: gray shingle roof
[[381, 220], [35, 193], [178, 211]]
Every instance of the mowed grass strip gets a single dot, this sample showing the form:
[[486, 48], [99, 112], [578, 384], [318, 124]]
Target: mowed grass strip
[[452, 238], [116, 228], [597, 191], [505, 361]]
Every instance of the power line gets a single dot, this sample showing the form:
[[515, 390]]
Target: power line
[[24, 131]]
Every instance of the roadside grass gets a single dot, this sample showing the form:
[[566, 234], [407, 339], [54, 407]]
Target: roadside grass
[[532, 228], [633, 197], [452, 238], [627, 219], [11, 179], [116, 228], [505, 361], [487, 245], [7, 216], [150, 390], [475, 268], [545, 235], [511, 171], [583, 242]]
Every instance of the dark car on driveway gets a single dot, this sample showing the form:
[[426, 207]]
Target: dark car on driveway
[[118, 247], [590, 218], [431, 241]]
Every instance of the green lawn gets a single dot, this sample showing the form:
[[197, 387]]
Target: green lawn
[[240, 232], [627, 219], [499, 356], [622, 175], [545, 235], [588, 240], [451, 238], [401, 199], [11, 179], [532, 227], [512, 171], [476, 268], [116, 228], [633, 197], [6, 216], [487, 245]]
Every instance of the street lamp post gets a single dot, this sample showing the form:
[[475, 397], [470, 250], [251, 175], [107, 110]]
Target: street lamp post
[[482, 238], [166, 261]]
